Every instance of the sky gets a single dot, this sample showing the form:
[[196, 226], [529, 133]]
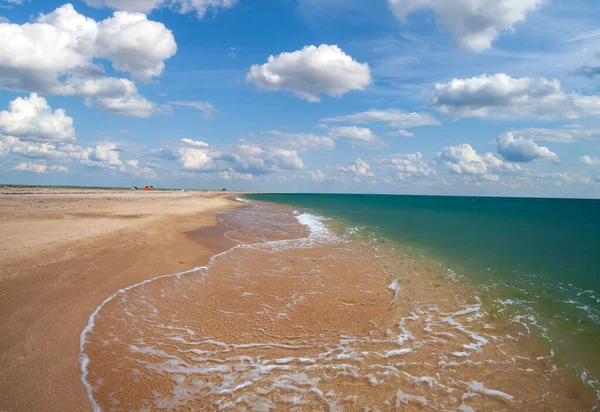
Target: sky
[[450, 97]]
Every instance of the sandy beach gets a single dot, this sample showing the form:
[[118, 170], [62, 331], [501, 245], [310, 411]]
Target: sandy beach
[[63, 251], [124, 300]]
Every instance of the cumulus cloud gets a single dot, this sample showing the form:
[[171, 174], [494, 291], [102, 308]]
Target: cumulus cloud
[[317, 176], [39, 168], [31, 129], [564, 134], [251, 158], [358, 136], [58, 54], [38, 150], [242, 157], [393, 118], [502, 95], [116, 96], [32, 119], [310, 72], [520, 149], [405, 166], [133, 167], [199, 7], [589, 161], [360, 168], [104, 155], [208, 110], [463, 159], [194, 159], [474, 24]]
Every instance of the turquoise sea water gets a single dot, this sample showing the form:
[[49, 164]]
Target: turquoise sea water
[[535, 262]]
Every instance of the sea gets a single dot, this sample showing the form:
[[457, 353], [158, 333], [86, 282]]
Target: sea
[[533, 261], [364, 302]]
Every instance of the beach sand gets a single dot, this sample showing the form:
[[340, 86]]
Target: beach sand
[[292, 315], [63, 251]]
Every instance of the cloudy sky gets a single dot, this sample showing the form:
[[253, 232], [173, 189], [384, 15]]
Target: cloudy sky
[[477, 97]]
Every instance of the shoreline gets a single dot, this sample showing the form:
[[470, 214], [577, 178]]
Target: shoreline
[[221, 328], [415, 290], [49, 292]]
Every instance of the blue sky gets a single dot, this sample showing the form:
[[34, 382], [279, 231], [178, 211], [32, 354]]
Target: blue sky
[[415, 96]]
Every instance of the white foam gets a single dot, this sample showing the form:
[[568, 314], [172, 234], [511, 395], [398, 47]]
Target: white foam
[[394, 287], [478, 387], [396, 352], [405, 398], [314, 223], [83, 358]]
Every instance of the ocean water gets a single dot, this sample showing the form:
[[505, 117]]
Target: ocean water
[[534, 262]]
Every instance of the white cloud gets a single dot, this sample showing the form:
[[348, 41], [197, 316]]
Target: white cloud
[[194, 159], [360, 168], [520, 149], [58, 168], [31, 167], [404, 166], [474, 24], [233, 175], [300, 141], [564, 178], [358, 136], [39, 150], [463, 159], [117, 96], [502, 95], [317, 176], [32, 119], [208, 110], [135, 44], [251, 158], [39, 168], [401, 132], [242, 157], [133, 167], [58, 54], [199, 7], [565, 134], [195, 143], [587, 35], [310, 72], [589, 161], [103, 155], [129, 105], [393, 117]]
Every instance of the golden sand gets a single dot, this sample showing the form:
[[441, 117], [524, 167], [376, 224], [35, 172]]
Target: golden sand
[[63, 252]]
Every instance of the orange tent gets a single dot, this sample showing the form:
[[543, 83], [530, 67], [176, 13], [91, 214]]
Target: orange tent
[[149, 188]]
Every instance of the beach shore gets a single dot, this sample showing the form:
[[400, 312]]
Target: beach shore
[[63, 251]]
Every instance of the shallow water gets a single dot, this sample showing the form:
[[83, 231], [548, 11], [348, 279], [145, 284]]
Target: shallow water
[[535, 263], [300, 316]]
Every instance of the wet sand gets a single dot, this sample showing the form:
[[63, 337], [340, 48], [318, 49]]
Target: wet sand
[[296, 317], [63, 252]]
